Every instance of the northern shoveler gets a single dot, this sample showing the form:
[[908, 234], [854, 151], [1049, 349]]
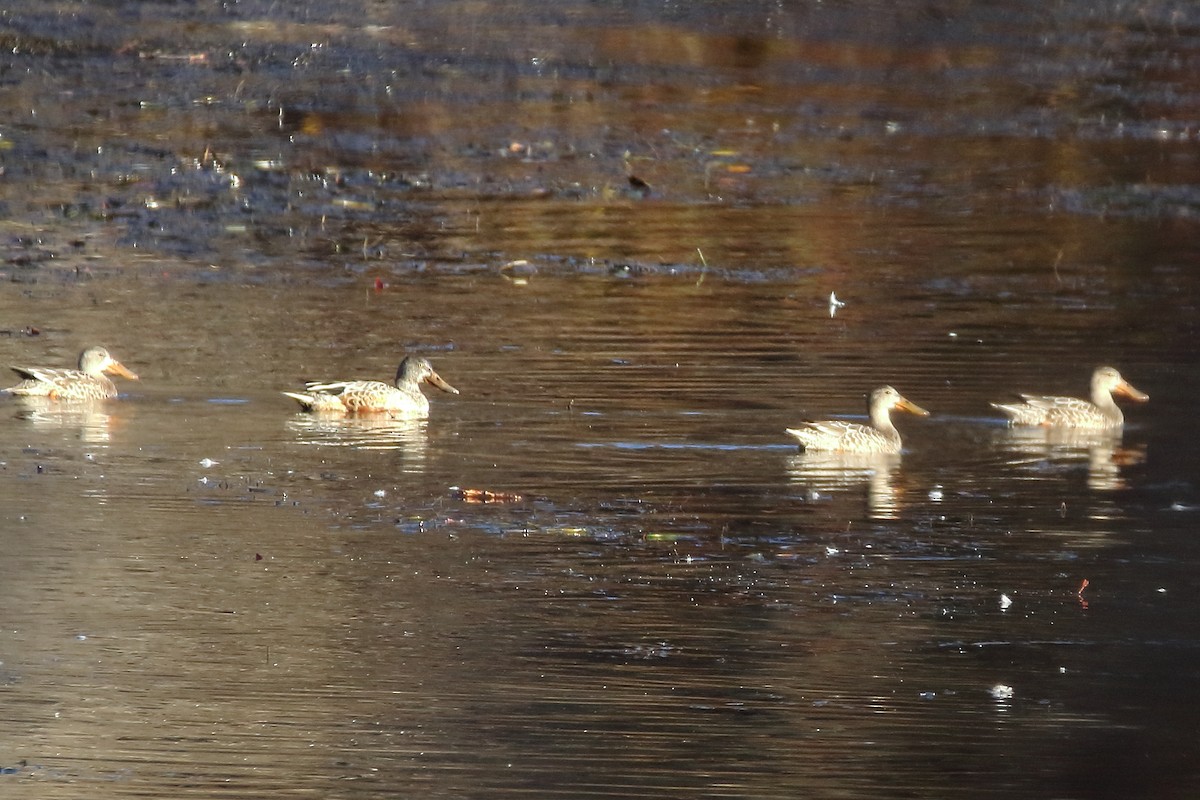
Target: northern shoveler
[[841, 436], [86, 383], [404, 399], [1071, 412]]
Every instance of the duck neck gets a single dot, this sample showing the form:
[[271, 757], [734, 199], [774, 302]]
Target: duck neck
[[881, 420], [1102, 398]]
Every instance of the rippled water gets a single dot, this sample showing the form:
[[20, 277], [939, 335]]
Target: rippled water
[[603, 569]]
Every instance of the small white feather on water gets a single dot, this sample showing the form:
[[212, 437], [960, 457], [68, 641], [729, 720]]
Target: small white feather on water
[[834, 304]]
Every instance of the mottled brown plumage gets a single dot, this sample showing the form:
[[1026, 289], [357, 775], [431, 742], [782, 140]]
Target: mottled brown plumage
[[841, 436], [1072, 412], [403, 399], [89, 382]]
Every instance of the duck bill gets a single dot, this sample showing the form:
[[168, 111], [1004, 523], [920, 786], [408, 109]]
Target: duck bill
[[117, 368], [1126, 389], [911, 407], [437, 381]]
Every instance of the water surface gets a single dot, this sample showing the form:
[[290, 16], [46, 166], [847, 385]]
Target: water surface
[[603, 569]]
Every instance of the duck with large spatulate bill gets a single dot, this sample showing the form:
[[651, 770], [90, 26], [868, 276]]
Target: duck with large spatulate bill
[[841, 436], [89, 382], [403, 399], [1102, 413]]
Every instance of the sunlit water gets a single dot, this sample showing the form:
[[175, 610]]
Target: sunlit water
[[603, 569]]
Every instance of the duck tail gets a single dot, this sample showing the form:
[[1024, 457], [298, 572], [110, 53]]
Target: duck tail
[[306, 401]]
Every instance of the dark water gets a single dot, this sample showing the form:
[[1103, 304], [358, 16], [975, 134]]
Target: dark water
[[207, 594]]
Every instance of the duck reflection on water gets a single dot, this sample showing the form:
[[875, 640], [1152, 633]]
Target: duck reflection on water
[[91, 420], [1100, 448], [824, 472], [410, 437]]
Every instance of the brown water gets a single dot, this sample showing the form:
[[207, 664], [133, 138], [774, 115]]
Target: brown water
[[207, 594]]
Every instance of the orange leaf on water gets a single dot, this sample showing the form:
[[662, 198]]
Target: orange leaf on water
[[486, 495]]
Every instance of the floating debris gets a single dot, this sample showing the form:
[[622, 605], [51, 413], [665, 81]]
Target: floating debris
[[517, 272], [353, 204], [639, 187], [1005, 602], [1001, 691], [485, 495], [186, 58]]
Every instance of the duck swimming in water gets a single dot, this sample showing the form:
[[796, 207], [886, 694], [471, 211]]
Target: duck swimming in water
[[89, 382], [402, 399], [1071, 412], [841, 436]]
